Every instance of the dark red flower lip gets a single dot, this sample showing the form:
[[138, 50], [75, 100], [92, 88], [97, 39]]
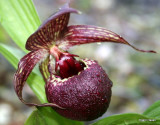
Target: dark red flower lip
[[85, 96], [55, 32], [87, 63]]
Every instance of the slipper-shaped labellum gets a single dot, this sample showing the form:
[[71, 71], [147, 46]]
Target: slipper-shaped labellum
[[78, 89]]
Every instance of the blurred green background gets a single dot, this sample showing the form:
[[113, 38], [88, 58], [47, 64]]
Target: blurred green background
[[135, 75]]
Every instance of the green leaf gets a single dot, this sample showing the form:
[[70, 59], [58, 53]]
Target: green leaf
[[3, 36], [12, 54], [36, 118], [19, 19], [44, 116], [153, 111], [128, 119]]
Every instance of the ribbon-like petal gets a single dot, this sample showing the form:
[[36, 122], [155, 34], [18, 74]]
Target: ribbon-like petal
[[82, 34], [51, 29], [25, 67], [44, 68]]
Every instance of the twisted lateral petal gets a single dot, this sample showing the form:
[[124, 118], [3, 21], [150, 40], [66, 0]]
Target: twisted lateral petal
[[51, 29], [82, 34], [44, 69], [25, 67]]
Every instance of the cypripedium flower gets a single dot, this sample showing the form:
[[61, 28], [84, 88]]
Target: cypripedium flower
[[78, 89]]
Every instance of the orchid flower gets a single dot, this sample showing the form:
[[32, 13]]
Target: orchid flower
[[48, 47]]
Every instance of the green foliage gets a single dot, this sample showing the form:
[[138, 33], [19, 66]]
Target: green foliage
[[19, 19], [46, 116], [153, 111], [128, 119], [13, 55], [150, 117]]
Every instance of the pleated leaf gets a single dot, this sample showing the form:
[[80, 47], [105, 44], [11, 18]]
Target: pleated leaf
[[153, 110], [43, 116], [128, 119], [19, 19]]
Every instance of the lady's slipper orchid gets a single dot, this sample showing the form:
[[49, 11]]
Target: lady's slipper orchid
[[77, 89]]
